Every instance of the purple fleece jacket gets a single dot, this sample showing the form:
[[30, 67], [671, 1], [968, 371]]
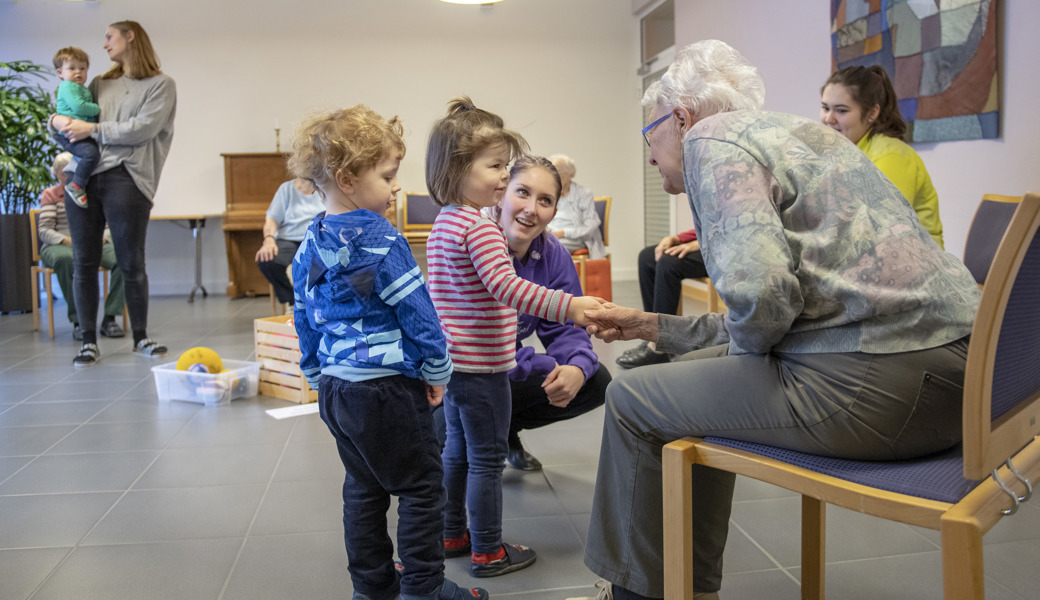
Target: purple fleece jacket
[[549, 264]]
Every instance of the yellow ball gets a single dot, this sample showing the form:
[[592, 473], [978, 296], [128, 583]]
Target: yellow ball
[[200, 354]]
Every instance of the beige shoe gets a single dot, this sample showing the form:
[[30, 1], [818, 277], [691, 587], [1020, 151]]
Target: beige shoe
[[605, 591]]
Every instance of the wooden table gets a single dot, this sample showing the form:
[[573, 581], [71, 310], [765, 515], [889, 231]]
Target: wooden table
[[195, 222]]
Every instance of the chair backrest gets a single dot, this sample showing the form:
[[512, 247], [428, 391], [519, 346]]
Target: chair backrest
[[1002, 378], [34, 217], [987, 227], [603, 210], [419, 210]]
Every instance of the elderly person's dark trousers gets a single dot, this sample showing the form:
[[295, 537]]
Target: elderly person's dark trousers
[[660, 281], [852, 405], [274, 270]]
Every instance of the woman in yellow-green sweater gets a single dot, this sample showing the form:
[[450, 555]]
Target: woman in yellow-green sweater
[[860, 103]]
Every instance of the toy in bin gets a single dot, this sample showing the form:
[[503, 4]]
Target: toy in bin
[[202, 360], [200, 375]]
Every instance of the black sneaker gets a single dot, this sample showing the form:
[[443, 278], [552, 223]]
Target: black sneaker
[[88, 356], [517, 557], [521, 459], [150, 348], [641, 348], [643, 358]]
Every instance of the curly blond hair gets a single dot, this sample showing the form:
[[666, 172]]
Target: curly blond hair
[[350, 140]]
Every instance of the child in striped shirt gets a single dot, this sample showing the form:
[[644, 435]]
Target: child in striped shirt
[[477, 293], [371, 346]]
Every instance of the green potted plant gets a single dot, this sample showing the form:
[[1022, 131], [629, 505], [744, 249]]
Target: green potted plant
[[26, 153]]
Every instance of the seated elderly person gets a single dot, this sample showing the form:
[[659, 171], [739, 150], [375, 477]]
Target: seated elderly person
[[847, 330], [576, 223], [295, 204], [56, 253]]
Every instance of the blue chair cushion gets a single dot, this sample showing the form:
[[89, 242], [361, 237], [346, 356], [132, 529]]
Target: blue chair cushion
[[937, 476]]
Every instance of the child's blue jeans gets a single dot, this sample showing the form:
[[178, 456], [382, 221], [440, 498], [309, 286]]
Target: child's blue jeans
[[477, 409], [87, 152], [385, 438]]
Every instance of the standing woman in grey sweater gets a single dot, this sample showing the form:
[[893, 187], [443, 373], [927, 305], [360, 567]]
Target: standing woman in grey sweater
[[138, 103]]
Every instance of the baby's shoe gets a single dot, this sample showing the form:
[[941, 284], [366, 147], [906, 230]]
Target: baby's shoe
[[78, 194], [511, 557]]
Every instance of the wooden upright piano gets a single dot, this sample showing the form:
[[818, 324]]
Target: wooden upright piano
[[250, 181]]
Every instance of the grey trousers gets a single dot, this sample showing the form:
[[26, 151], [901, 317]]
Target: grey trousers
[[851, 405]]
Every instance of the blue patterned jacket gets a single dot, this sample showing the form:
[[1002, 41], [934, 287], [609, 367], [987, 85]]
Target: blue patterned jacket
[[362, 310]]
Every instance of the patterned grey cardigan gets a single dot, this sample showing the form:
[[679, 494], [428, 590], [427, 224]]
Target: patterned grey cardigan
[[810, 246]]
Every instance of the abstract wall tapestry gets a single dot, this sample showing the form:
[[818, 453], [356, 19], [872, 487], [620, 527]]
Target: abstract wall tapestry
[[940, 54]]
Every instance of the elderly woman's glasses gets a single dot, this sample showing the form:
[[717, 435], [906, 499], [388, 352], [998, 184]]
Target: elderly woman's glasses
[[651, 126]]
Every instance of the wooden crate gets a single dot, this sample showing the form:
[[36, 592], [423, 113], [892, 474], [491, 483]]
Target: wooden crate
[[278, 352]]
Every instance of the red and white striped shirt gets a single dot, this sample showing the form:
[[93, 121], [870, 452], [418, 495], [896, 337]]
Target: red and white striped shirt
[[477, 292]]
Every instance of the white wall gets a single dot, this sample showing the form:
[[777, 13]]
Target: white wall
[[560, 72], [788, 40]]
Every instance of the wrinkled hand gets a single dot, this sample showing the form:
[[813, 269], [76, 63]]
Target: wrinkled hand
[[267, 251], [611, 323], [562, 384], [681, 250], [666, 242], [434, 394], [580, 304]]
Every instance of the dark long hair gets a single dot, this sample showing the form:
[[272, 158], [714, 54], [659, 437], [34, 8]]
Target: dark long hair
[[870, 87]]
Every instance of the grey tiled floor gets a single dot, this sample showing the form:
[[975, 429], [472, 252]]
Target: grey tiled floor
[[106, 493]]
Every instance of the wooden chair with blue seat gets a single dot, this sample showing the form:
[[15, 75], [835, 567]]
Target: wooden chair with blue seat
[[962, 492], [38, 269], [594, 274], [418, 212], [987, 228]]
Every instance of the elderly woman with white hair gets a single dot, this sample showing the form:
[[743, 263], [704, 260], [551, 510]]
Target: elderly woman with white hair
[[576, 223], [847, 327]]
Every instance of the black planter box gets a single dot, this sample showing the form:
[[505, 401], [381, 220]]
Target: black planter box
[[15, 262]]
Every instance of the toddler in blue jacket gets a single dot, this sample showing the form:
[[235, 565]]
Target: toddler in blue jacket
[[372, 346]]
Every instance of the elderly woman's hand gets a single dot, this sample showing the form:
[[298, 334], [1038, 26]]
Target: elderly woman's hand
[[681, 250], [612, 323], [267, 251], [666, 242]]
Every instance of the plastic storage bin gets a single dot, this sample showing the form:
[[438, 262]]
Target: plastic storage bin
[[239, 380]]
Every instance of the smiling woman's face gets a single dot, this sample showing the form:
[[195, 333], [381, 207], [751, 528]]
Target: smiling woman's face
[[527, 207]]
